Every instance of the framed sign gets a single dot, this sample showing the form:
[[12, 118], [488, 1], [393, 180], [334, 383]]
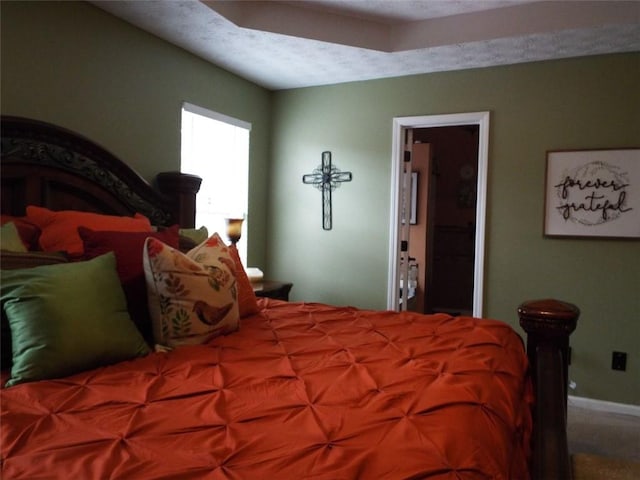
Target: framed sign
[[413, 217], [413, 207], [593, 193]]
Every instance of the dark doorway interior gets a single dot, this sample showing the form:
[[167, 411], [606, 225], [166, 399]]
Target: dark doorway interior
[[449, 232]]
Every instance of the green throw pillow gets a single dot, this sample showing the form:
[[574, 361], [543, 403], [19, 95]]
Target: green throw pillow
[[198, 235], [67, 318], [10, 238]]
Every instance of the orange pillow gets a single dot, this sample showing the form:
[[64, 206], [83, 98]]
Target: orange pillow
[[60, 229], [247, 301]]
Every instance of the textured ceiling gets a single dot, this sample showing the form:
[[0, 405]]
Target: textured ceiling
[[289, 44]]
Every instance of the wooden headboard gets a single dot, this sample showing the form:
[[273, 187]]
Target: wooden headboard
[[52, 167]]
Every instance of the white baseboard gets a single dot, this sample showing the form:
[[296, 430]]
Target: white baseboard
[[604, 406]]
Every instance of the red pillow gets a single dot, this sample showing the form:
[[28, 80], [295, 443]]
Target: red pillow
[[60, 229], [28, 232], [128, 248], [247, 301]]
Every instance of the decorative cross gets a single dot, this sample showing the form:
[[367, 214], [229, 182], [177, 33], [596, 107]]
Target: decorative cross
[[326, 178]]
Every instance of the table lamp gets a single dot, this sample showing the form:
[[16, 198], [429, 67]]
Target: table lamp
[[234, 229]]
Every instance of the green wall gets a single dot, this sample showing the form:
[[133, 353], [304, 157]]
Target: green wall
[[570, 104], [74, 65]]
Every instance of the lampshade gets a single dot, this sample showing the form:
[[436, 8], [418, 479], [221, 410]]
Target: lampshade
[[234, 229]]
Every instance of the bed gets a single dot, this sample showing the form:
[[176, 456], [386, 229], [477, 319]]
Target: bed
[[292, 390]]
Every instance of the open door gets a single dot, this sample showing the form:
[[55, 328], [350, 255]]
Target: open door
[[399, 247], [421, 225], [406, 287]]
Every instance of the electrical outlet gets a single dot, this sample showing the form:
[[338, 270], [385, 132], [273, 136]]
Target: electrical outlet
[[619, 361]]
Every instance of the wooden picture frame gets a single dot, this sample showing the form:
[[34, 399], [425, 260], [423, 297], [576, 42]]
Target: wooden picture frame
[[413, 202], [593, 193]]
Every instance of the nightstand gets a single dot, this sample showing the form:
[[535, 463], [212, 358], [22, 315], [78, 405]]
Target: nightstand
[[272, 289]]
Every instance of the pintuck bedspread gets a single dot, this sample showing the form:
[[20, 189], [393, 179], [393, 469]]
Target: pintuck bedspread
[[300, 391]]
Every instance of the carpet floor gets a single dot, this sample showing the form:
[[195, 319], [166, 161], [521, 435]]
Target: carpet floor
[[603, 445], [604, 434], [594, 467]]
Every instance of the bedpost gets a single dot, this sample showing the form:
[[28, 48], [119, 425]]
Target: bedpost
[[548, 324], [181, 188]]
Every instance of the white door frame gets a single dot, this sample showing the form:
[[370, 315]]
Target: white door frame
[[400, 124]]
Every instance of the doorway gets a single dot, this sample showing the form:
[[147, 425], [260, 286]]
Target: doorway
[[468, 228]]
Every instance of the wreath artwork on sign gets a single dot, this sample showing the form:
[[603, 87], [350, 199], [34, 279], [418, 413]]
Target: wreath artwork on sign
[[593, 193]]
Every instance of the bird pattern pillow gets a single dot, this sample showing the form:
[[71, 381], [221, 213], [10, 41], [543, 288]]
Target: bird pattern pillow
[[192, 297]]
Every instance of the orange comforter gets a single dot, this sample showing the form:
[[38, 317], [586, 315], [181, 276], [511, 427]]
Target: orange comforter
[[302, 391]]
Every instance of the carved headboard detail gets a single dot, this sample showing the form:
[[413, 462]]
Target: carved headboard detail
[[49, 166]]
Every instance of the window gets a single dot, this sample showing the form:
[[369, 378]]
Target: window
[[216, 148]]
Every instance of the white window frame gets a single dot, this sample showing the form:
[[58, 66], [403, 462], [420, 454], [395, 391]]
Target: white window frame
[[198, 110]]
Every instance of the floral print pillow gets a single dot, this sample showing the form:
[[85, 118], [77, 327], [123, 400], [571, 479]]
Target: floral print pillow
[[192, 297]]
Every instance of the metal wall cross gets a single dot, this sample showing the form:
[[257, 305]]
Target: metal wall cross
[[326, 178]]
